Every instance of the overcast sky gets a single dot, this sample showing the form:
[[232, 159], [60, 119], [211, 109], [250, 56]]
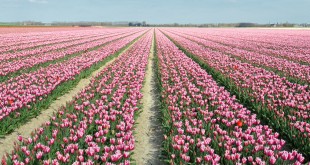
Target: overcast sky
[[157, 11]]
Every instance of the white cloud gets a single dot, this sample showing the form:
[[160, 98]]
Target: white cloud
[[38, 1]]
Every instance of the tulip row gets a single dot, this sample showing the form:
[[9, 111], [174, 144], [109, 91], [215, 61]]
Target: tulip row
[[294, 47], [20, 95], [97, 126], [50, 48], [12, 39], [30, 31], [36, 30], [205, 124], [16, 42], [284, 105], [39, 49], [53, 39], [74, 49], [289, 69], [299, 55]]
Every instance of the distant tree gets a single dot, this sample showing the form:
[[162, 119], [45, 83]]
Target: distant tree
[[246, 25]]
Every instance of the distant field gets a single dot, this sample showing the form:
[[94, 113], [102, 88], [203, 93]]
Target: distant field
[[290, 28], [154, 95], [28, 29]]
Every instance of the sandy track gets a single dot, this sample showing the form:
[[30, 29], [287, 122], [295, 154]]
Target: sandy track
[[7, 143], [148, 132]]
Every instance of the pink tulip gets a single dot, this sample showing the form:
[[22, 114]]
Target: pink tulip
[[39, 155]]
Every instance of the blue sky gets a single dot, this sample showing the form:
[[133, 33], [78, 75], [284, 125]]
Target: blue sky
[[157, 11]]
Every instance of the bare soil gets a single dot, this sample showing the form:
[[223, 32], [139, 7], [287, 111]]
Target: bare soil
[[148, 132]]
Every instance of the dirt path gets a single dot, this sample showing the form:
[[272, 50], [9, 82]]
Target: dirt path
[[148, 132], [7, 143]]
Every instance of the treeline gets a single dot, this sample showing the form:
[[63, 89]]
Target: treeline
[[144, 24], [233, 25]]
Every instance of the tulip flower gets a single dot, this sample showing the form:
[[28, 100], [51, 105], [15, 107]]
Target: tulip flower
[[239, 123], [39, 155]]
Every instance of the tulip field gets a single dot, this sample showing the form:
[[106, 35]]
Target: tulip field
[[226, 96]]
